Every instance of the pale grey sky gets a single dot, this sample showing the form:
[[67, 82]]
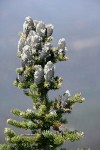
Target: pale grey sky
[[79, 23]]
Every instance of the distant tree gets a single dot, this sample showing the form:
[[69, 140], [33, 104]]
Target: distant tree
[[36, 77]]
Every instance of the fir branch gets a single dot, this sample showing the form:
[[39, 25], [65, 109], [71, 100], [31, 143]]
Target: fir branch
[[72, 135], [24, 139], [9, 132], [36, 77], [29, 114], [5, 147], [23, 124], [77, 98]]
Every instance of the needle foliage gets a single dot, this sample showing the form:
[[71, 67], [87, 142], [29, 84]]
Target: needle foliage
[[36, 77]]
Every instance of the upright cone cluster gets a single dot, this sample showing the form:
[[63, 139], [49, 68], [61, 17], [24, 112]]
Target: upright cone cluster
[[38, 55], [36, 77]]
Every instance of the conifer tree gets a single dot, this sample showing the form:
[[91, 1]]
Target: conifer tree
[[36, 77]]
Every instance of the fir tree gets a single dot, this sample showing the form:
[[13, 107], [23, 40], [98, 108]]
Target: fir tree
[[36, 77]]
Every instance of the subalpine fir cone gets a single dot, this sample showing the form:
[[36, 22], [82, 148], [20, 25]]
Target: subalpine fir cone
[[36, 77], [36, 51]]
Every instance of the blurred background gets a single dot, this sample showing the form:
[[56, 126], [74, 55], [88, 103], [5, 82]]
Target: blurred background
[[79, 23]]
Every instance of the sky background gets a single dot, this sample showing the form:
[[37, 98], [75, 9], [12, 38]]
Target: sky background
[[78, 21]]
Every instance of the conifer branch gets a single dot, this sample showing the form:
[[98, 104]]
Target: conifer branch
[[36, 77]]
